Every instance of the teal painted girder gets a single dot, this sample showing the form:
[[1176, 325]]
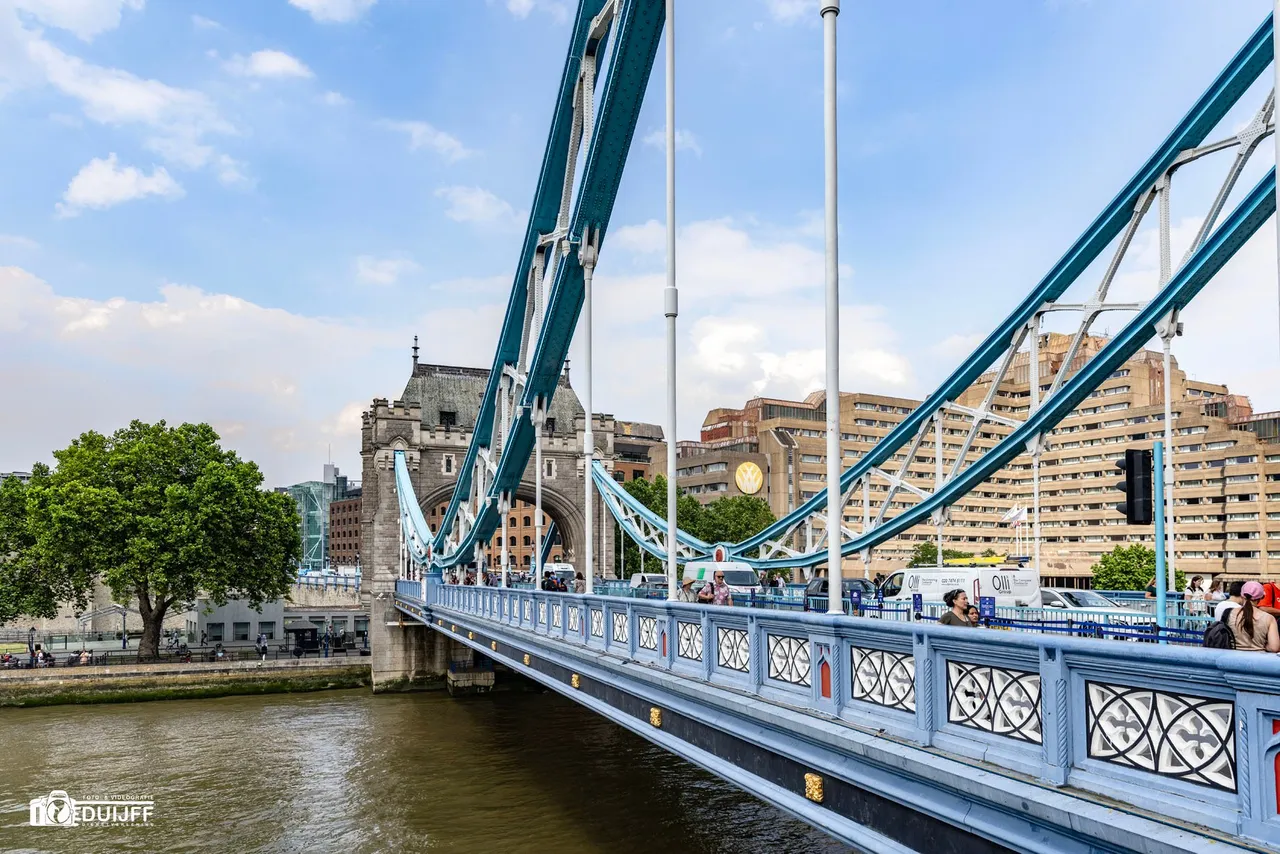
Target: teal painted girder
[[636, 34]]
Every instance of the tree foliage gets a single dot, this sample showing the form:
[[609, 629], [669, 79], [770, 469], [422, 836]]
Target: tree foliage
[[926, 554], [1129, 568], [730, 519], [158, 513]]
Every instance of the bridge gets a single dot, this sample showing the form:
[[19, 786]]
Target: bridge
[[890, 736]]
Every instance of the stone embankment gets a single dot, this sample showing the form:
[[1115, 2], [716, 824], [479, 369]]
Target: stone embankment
[[134, 682]]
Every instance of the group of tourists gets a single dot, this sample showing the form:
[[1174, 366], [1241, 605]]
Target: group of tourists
[[959, 611], [714, 592], [1245, 619]]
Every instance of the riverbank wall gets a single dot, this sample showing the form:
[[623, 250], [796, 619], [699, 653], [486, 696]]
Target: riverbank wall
[[139, 682]]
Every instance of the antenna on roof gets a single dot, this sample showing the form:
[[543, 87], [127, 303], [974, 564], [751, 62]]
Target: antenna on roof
[[415, 351]]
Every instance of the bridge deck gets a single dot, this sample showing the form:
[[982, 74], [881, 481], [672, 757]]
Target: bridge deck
[[912, 737]]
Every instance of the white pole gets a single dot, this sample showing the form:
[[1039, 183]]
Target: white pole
[[835, 507], [1167, 474], [587, 255], [937, 474], [670, 298], [506, 509], [1034, 366], [536, 560], [1275, 36]]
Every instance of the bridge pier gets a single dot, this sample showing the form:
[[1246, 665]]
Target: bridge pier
[[404, 654]]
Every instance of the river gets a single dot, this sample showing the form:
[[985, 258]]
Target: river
[[346, 771]]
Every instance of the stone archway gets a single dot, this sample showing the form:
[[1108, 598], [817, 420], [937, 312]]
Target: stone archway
[[566, 512]]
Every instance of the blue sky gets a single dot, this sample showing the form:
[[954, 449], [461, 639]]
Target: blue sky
[[242, 211]]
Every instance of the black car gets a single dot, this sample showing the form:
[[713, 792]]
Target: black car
[[817, 588]]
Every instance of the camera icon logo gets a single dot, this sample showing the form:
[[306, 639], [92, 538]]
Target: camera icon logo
[[56, 809]]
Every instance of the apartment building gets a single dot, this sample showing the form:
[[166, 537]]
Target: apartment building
[[1226, 520]]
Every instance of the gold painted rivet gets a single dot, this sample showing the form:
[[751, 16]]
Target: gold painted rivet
[[526, 659], [471, 635], [655, 716], [493, 645], [575, 681], [813, 787], [452, 627]]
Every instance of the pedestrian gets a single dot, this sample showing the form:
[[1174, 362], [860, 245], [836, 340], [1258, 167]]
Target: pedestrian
[[685, 593], [1215, 593], [1253, 628], [31, 648], [579, 583], [1151, 588], [720, 593], [262, 645], [1235, 598], [548, 581], [204, 638], [974, 618], [958, 603]]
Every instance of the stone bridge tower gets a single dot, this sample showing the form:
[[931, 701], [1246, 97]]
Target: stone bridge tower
[[432, 423]]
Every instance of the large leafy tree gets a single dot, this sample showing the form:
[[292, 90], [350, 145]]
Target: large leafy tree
[[156, 513], [926, 554], [728, 519], [733, 519], [653, 495], [1129, 568]]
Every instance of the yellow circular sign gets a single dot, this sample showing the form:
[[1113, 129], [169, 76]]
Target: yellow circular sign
[[749, 478]]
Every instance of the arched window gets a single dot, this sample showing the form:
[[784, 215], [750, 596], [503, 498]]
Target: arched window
[[526, 560], [512, 521], [528, 541], [528, 521], [511, 541]]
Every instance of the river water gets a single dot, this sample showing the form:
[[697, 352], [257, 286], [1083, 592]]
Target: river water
[[346, 771]]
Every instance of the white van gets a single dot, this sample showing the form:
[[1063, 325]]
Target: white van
[[1010, 585], [563, 571], [642, 578], [740, 577]]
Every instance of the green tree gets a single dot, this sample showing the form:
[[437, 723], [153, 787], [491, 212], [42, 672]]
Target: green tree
[[1129, 568], [926, 554], [653, 495], [158, 513], [733, 519]]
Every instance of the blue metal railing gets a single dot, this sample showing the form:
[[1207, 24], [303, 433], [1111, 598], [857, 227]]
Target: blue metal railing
[[1037, 665], [329, 582]]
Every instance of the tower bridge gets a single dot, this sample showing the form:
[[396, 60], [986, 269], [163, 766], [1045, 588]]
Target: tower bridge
[[890, 736]]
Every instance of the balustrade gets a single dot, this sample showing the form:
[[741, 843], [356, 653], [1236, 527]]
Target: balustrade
[[1191, 733]]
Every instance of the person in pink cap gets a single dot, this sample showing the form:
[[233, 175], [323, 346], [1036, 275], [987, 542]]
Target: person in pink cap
[[1253, 628]]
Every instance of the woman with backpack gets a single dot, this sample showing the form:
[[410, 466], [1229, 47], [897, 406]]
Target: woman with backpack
[[1254, 629]]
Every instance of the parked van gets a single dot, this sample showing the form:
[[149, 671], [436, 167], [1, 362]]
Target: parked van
[[651, 578], [740, 577], [563, 571], [1010, 585]]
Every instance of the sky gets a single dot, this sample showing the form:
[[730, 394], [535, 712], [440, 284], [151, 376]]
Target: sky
[[242, 211]]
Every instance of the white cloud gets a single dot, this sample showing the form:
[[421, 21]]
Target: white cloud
[[334, 99], [685, 141], [267, 64], [555, 8], [473, 204], [83, 18], [176, 121], [751, 320], [270, 380], [103, 184], [18, 241], [202, 23], [423, 135], [334, 11], [383, 271], [790, 11]]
